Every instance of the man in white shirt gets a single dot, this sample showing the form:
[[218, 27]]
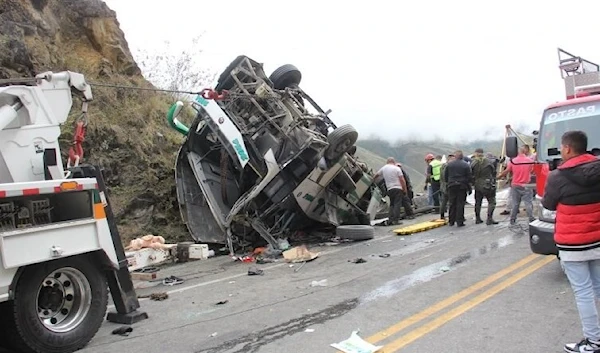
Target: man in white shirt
[[396, 186]]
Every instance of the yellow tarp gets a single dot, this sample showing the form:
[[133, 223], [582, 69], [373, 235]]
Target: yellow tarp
[[420, 227]]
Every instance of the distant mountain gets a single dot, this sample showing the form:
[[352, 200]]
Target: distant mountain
[[412, 154]]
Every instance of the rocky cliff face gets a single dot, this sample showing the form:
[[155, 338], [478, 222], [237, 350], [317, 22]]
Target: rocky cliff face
[[127, 134]]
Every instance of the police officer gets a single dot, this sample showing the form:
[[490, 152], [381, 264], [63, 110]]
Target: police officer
[[457, 176], [433, 176]]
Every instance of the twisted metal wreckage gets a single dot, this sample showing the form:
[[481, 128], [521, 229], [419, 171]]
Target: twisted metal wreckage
[[260, 164]]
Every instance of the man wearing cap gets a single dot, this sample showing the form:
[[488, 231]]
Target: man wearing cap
[[428, 158], [484, 181], [433, 177]]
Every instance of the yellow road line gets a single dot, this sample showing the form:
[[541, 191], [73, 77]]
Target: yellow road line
[[459, 310], [411, 320]]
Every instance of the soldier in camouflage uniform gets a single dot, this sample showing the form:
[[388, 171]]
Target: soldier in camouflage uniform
[[484, 177], [444, 189]]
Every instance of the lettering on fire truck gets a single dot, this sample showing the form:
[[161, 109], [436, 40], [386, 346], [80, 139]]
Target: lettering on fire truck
[[571, 113]]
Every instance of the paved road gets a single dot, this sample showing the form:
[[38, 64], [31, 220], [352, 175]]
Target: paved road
[[473, 289], [495, 297]]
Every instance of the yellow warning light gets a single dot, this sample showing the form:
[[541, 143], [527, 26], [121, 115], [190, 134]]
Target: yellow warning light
[[69, 186]]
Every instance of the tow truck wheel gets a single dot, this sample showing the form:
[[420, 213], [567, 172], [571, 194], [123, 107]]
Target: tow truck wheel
[[59, 306], [340, 141]]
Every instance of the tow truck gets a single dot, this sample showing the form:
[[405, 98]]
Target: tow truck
[[580, 111], [60, 250]]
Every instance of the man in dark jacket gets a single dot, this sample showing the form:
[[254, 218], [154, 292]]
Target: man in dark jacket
[[409, 188], [484, 182], [457, 176], [573, 191], [444, 188]]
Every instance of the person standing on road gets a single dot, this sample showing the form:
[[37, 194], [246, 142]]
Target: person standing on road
[[484, 176], [521, 168], [505, 161], [396, 186], [573, 191], [433, 177], [444, 188], [457, 176], [409, 189], [428, 158]]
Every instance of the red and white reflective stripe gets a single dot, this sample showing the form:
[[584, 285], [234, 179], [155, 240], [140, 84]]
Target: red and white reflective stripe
[[52, 187]]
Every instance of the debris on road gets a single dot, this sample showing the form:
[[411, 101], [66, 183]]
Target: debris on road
[[159, 296], [253, 271], [309, 330], [355, 344], [299, 254], [145, 274], [172, 281], [358, 260], [147, 241], [299, 268], [444, 269], [146, 257], [122, 331], [385, 255], [155, 296], [214, 334], [321, 283], [222, 302]]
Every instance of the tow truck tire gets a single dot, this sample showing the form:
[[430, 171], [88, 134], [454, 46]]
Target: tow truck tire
[[355, 232], [41, 323], [286, 76], [340, 141]]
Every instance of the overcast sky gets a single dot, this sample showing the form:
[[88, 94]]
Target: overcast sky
[[457, 69]]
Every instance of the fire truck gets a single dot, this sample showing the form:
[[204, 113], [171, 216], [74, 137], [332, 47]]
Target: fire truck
[[60, 250], [580, 111]]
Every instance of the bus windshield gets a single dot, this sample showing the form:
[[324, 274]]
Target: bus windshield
[[557, 121]]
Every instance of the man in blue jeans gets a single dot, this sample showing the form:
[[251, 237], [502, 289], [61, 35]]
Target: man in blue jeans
[[573, 191]]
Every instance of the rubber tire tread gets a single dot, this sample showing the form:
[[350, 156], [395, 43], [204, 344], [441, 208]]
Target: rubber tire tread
[[280, 72], [225, 81], [27, 334], [355, 232], [337, 136]]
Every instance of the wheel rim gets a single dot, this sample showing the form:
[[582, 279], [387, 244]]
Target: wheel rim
[[343, 146], [63, 299]]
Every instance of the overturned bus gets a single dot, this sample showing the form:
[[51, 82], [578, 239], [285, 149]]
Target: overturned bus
[[263, 161]]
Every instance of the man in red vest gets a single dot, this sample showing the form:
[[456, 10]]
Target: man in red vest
[[521, 168], [573, 191]]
